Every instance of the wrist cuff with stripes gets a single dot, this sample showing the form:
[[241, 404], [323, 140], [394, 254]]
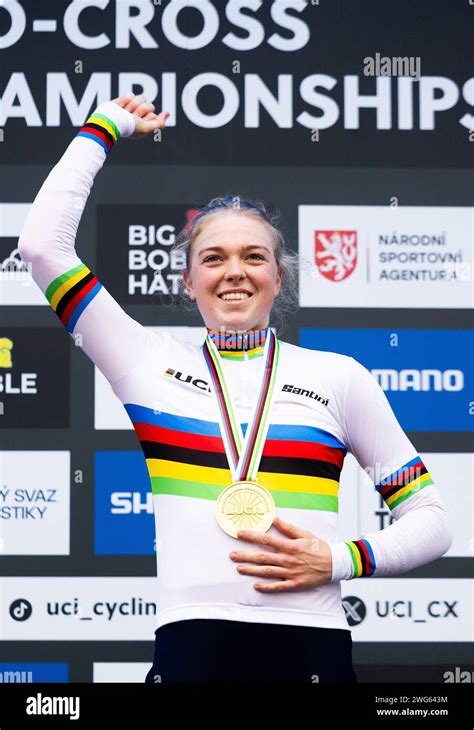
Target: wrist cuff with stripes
[[101, 129], [363, 558]]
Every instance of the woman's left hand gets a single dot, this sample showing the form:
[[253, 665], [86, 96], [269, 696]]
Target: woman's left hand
[[300, 562]]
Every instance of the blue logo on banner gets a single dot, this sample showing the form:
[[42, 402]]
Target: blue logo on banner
[[124, 520], [427, 375], [25, 672]]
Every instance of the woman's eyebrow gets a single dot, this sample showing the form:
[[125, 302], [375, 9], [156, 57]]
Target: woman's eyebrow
[[211, 248], [246, 248]]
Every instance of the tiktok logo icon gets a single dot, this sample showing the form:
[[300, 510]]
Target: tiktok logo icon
[[21, 609]]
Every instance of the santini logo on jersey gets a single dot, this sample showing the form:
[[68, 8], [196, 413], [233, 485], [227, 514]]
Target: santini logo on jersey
[[301, 391], [189, 379]]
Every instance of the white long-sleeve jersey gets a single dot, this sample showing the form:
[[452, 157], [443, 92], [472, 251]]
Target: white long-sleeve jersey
[[326, 405]]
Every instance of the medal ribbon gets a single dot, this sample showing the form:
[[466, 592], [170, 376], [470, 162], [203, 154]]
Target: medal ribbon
[[244, 454]]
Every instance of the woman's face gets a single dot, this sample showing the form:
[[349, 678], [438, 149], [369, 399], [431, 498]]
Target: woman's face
[[233, 253]]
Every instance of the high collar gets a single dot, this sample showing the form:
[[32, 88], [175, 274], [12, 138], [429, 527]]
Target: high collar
[[250, 340]]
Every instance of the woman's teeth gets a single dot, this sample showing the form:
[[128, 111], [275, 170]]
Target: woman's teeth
[[238, 295]]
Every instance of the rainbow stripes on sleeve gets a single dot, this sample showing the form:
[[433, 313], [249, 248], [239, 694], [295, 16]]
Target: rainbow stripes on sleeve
[[404, 482], [70, 293], [395, 489], [102, 130], [363, 558]]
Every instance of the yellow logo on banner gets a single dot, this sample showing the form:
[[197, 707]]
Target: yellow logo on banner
[[5, 352]]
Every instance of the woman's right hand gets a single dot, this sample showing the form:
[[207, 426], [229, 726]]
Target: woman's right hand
[[146, 121]]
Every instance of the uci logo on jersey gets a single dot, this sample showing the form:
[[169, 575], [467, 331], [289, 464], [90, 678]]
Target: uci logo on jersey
[[188, 379]]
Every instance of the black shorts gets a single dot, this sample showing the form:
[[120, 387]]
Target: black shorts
[[217, 650]]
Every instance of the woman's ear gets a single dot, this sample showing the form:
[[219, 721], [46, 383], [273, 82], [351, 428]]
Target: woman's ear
[[278, 281], [188, 284]]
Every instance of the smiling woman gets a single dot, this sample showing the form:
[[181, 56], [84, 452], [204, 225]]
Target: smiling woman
[[235, 285], [236, 253], [244, 438]]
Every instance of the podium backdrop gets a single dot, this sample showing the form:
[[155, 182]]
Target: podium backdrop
[[355, 121]]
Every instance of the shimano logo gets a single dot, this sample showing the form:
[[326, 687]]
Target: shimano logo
[[424, 380], [189, 379], [302, 391], [128, 503]]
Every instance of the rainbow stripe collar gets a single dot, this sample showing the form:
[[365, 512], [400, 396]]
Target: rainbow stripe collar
[[239, 345]]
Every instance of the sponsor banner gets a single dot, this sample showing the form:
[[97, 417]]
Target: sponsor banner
[[35, 672], [404, 609], [123, 505], [241, 80], [134, 259], [109, 412], [427, 375], [16, 283], [33, 393], [386, 256], [35, 502], [118, 672], [78, 608], [363, 511], [124, 609]]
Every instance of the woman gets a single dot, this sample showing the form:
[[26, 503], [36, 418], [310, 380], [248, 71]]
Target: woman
[[244, 439]]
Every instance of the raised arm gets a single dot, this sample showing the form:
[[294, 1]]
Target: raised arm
[[421, 532], [113, 340]]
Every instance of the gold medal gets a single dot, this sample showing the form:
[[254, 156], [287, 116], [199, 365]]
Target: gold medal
[[245, 505]]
